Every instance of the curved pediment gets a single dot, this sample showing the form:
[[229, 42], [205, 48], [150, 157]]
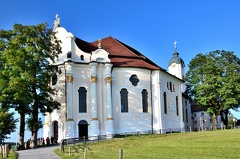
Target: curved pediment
[[100, 55], [62, 33]]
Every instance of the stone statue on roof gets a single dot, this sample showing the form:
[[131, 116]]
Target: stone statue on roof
[[56, 22], [99, 44]]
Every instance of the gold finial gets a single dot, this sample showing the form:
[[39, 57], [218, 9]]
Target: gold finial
[[99, 44]]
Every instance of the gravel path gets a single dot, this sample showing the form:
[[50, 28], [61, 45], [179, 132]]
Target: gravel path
[[38, 153]]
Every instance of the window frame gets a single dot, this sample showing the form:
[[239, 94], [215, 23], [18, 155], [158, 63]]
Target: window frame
[[144, 101], [82, 100], [124, 100], [165, 103]]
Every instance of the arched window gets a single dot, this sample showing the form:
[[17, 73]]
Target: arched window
[[124, 100], [82, 57], [165, 102], [54, 79], [82, 95], [171, 86], [145, 100], [183, 114], [69, 55], [177, 106], [186, 115], [55, 130]]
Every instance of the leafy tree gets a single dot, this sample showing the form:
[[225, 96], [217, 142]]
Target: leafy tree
[[230, 119], [7, 123], [31, 125], [26, 53], [213, 80]]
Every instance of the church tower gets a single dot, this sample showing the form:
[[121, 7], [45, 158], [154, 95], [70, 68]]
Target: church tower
[[176, 65]]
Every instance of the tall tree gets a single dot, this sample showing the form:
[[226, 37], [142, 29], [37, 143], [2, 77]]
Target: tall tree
[[26, 53], [7, 123], [213, 80]]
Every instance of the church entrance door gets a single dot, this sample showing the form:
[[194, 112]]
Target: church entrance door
[[83, 129], [55, 130]]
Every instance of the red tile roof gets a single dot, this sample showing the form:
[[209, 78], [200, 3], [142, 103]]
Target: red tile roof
[[120, 54], [196, 108]]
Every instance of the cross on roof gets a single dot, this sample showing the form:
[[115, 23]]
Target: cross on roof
[[175, 46]]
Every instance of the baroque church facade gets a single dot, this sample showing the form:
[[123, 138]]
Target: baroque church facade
[[107, 87]]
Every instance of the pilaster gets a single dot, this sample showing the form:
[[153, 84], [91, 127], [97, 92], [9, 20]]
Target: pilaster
[[69, 80], [109, 119], [69, 129], [94, 123]]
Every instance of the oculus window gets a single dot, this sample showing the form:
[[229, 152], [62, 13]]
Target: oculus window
[[134, 80]]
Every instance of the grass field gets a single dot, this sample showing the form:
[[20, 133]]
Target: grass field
[[220, 144]]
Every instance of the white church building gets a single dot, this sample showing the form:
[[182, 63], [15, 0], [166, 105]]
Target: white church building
[[107, 87]]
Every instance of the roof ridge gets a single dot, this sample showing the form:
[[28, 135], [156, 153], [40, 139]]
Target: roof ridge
[[135, 52]]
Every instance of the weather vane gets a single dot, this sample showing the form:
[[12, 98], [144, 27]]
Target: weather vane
[[175, 46]]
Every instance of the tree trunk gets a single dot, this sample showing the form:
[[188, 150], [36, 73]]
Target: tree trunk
[[214, 121], [22, 130], [35, 126], [222, 117], [226, 118], [33, 143]]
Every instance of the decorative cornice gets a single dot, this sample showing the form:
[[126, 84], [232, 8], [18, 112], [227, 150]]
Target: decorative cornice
[[109, 118], [94, 119], [69, 79], [94, 79], [108, 79]]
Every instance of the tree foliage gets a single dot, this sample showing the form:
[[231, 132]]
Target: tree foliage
[[7, 122], [213, 80], [26, 53]]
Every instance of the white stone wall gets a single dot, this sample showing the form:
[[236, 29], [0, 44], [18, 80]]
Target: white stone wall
[[66, 39], [187, 115], [202, 120], [157, 98], [178, 71], [171, 120], [81, 78], [135, 120], [57, 115]]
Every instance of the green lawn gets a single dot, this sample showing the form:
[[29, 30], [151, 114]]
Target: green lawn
[[12, 155], [220, 144]]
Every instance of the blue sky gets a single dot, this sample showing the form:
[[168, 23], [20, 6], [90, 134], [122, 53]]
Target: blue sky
[[151, 27]]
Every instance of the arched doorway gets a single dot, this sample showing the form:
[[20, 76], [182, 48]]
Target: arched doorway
[[83, 129], [55, 130]]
